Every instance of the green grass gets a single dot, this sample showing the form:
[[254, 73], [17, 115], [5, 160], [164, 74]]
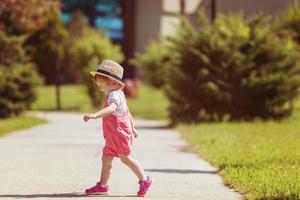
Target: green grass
[[73, 98], [22, 122], [260, 159], [151, 103]]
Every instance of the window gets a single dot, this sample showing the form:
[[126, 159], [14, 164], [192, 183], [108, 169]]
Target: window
[[102, 14]]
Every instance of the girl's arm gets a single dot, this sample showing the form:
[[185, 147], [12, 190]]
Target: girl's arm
[[132, 125], [105, 111]]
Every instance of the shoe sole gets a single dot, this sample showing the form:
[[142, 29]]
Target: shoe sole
[[98, 193]]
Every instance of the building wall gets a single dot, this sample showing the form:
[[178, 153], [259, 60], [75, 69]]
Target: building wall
[[148, 15], [171, 8], [250, 7], [158, 17]]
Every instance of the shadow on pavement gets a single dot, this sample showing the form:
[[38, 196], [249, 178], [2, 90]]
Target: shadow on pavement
[[153, 127], [181, 171], [61, 195]]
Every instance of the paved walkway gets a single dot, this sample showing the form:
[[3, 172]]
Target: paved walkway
[[60, 159]]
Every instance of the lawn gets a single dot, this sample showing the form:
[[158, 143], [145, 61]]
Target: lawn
[[17, 123], [151, 103], [73, 98], [261, 159]]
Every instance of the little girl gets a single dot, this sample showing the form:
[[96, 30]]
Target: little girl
[[118, 129]]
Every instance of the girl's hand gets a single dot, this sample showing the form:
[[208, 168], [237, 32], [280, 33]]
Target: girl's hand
[[135, 133], [88, 117]]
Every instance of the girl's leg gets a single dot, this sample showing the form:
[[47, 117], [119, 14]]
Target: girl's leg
[[106, 168], [134, 165]]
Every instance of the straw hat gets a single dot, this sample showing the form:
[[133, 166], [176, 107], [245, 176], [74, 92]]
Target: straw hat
[[110, 69]]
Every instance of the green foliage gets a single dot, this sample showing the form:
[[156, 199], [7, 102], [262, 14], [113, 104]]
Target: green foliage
[[20, 21], [288, 22], [47, 48], [96, 96], [17, 88], [38, 23], [11, 49], [87, 53], [27, 16], [18, 77], [93, 44], [153, 63], [230, 70]]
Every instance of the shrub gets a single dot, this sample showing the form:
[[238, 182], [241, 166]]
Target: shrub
[[11, 49], [153, 63], [288, 22], [232, 69], [17, 88], [87, 53], [18, 77]]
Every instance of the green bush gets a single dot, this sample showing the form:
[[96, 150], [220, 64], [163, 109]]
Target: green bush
[[231, 70], [87, 53], [288, 22], [11, 49], [19, 22], [17, 88], [153, 63], [18, 77]]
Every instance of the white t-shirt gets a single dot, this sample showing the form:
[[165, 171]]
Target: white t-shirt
[[118, 97]]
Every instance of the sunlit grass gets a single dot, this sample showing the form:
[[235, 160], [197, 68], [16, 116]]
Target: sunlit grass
[[22, 122], [150, 104], [72, 97], [259, 159]]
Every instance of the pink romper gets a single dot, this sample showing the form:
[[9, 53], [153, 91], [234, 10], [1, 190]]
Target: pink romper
[[117, 132]]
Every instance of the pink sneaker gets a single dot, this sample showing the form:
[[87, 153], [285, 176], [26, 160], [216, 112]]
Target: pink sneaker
[[144, 186], [98, 189]]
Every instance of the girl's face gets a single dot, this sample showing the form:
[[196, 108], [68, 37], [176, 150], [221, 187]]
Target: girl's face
[[105, 85]]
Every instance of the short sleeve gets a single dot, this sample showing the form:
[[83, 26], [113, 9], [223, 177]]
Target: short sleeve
[[114, 97]]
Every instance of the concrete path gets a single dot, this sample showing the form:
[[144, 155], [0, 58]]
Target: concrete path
[[60, 159]]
